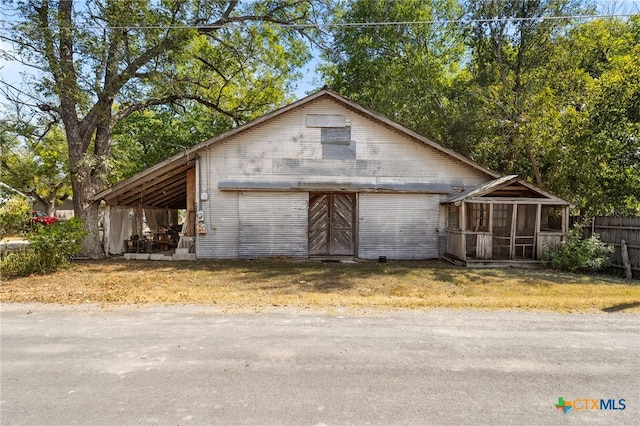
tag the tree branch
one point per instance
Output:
(211, 66)
(124, 113)
(269, 16)
(12, 172)
(214, 106)
(49, 49)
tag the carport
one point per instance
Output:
(157, 194)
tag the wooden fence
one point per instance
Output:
(613, 230)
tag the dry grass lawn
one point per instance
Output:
(258, 284)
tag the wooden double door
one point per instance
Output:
(332, 219)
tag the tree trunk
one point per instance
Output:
(51, 205)
(85, 184)
(91, 245)
(84, 208)
(87, 179)
(534, 166)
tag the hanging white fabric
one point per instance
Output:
(121, 229)
(156, 218)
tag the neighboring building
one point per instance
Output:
(322, 178)
(64, 211)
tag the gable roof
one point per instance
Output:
(506, 182)
(172, 171)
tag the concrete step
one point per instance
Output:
(188, 256)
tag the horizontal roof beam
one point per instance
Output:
(410, 187)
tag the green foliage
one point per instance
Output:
(19, 263)
(403, 71)
(516, 101)
(554, 101)
(50, 248)
(14, 216)
(147, 137)
(574, 126)
(577, 254)
(34, 164)
(594, 160)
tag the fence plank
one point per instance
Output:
(612, 230)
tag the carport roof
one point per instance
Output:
(165, 184)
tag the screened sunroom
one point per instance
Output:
(505, 220)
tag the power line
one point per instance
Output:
(246, 24)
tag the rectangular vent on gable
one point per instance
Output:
(326, 120)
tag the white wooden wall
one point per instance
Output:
(284, 150)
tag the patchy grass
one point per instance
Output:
(257, 284)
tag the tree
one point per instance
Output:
(615, 129)
(604, 156)
(104, 60)
(590, 151)
(14, 213)
(512, 42)
(402, 70)
(35, 164)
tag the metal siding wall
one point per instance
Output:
(398, 226)
(273, 224)
(286, 150)
(221, 221)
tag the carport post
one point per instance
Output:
(139, 225)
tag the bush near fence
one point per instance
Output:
(613, 230)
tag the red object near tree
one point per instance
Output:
(40, 217)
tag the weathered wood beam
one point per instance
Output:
(191, 202)
(178, 202)
(141, 197)
(515, 200)
(491, 218)
(537, 230)
(512, 239)
(126, 194)
(168, 194)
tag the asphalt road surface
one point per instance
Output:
(198, 365)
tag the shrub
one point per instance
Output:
(50, 248)
(14, 215)
(20, 263)
(577, 254)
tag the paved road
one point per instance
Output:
(197, 365)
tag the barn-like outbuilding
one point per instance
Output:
(327, 178)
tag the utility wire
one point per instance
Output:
(340, 24)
